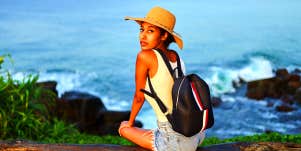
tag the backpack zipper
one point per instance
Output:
(179, 92)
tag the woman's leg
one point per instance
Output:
(139, 136)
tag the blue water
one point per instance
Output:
(87, 46)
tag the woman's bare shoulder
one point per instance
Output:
(146, 55)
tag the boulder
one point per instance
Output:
(270, 146)
(284, 108)
(89, 113)
(108, 122)
(270, 104)
(293, 84)
(297, 71)
(49, 96)
(276, 87)
(49, 85)
(260, 89)
(284, 86)
(282, 74)
(80, 107)
(294, 77)
(297, 95)
(287, 99)
(239, 83)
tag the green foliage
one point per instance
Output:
(1, 60)
(24, 108)
(19, 107)
(79, 138)
(266, 137)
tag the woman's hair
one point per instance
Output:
(169, 39)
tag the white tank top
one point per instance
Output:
(162, 82)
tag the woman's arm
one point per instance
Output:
(140, 79)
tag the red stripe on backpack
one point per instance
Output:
(196, 96)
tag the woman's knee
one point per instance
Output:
(121, 130)
(123, 126)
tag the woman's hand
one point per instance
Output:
(124, 124)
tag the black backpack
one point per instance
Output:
(192, 109)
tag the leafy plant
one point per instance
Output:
(19, 107)
(23, 113)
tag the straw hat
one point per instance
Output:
(162, 18)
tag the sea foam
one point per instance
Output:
(222, 79)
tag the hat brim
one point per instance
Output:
(176, 36)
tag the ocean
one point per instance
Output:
(87, 46)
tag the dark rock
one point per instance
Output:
(297, 95)
(271, 146)
(269, 131)
(50, 85)
(260, 89)
(48, 96)
(292, 86)
(270, 104)
(108, 122)
(282, 74)
(90, 115)
(255, 91)
(297, 71)
(288, 99)
(284, 108)
(294, 77)
(216, 101)
(239, 83)
(72, 96)
(280, 86)
(81, 108)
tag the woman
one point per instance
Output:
(156, 32)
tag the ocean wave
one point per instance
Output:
(221, 79)
(116, 104)
(67, 80)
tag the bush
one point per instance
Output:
(19, 107)
(23, 113)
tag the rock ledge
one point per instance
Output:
(238, 146)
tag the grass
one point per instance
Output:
(265, 137)
(79, 138)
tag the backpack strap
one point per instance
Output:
(166, 60)
(179, 66)
(152, 92)
(154, 95)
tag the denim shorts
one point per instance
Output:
(166, 139)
